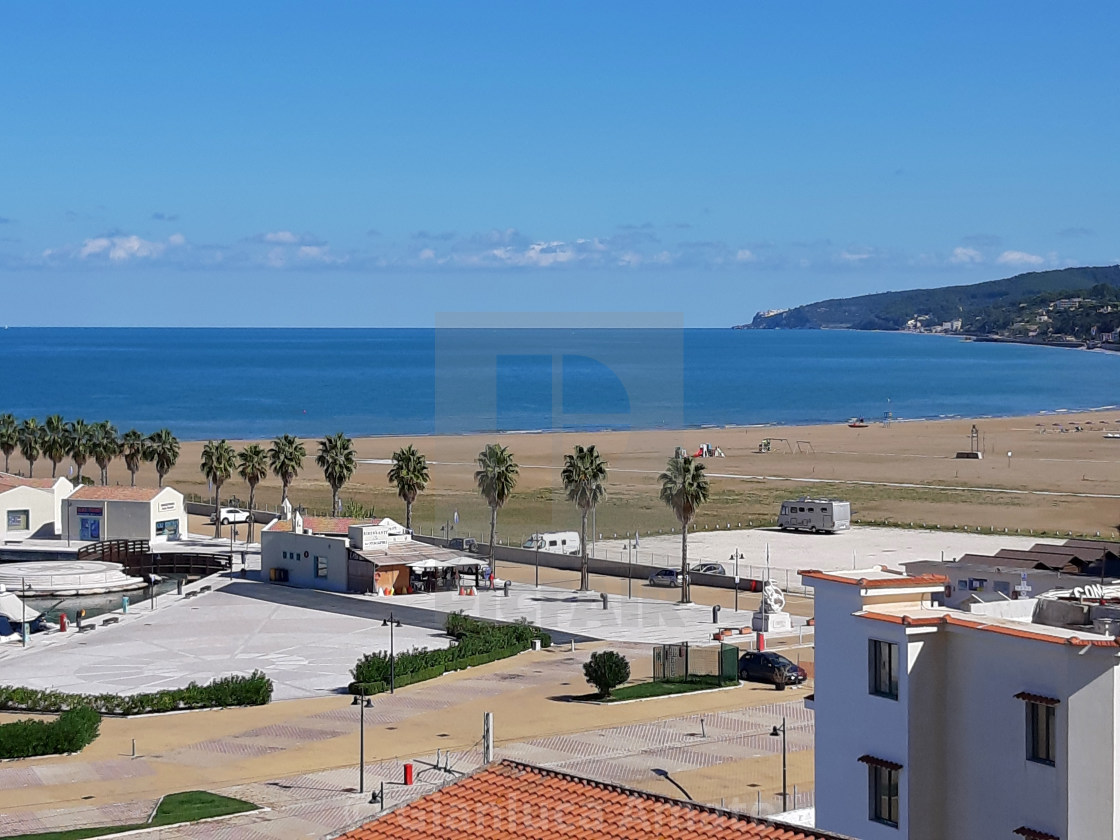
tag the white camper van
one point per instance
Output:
(815, 515)
(557, 542)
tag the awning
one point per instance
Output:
(873, 761)
(1037, 698)
(427, 564)
(13, 608)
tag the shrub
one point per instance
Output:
(606, 670)
(253, 690)
(73, 730)
(477, 642)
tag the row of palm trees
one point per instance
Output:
(684, 488)
(57, 439)
(284, 459)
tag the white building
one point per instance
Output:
(31, 507)
(936, 723)
(348, 555)
(125, 513)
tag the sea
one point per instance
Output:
(258, 383)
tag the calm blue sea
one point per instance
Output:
(248, 383)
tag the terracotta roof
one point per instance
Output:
(510, 801)
(116, 494)
(894, 581)
(323, 524)
(1037, 698)
(9, 480)
(874, 761)
(1032, 834)
(1004, 627)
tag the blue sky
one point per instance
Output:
(377, 164)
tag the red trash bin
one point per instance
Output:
(408, 773)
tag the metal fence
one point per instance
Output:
(679, 662)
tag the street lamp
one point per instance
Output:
(364, 702)
(391, 624)
(537, 564)
(774, 734)
(232, 537)
(24, 630)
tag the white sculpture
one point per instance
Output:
(773, 599)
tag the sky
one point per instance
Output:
(377, 164)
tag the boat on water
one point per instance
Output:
(857, 423)
(13, 614)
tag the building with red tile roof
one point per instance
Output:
(31, 507)
(94, 514)
(508, 800)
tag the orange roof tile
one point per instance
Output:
(116, 494)
(509, 801)
(10, 480)
(959, 620)
(323, 524)
(877, 583)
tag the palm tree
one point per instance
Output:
(9, 436)
(132, 450)
(162, 448)
(684, 487)
(56, 441)
(30, 443)
(337, 461)
(410, 473)
(81, 444)
(105, 448)
(496, 477)
(285, 459)
(583, 476)
(217, 465)
(252, 465)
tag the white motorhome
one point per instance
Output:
(557, 542)
(828, 515)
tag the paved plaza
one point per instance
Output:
(789, 551)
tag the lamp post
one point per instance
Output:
(781, 730)
(537, 564)
(391, 624)
(232, 537)
(23, 625)
(364, 702)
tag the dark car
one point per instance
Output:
(770, 667)
(709, 569)
(462, 544)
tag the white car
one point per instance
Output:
(229, 515)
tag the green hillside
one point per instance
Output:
(983, 308)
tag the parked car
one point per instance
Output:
(770, 667)
(463, 544)
(709, 569)
(229, 515)
(665, 577)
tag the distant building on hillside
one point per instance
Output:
(936, 723)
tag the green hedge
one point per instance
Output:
(477, 643)
(253, 690)
(73, 730)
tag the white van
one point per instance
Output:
(827, 515)
(556, 542)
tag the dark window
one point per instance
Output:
(19, 520)
(882, 783)
(1040, 733)
(882, 668)
(321, 567)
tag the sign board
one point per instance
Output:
(89, 511)
(369, 537)
(167, 506)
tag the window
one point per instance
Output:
(168, 528)
(882, 668)
(19, 520)
(882, 784)
(1040, 732)
(320, 567)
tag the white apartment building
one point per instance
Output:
(935, 723)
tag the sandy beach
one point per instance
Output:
(1057, 479)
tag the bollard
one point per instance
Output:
(124, 604)
(505, 588)
(62, 622)
(715, 614)
(179, 587)
(761, 642)
(408, 773)
(603, 595)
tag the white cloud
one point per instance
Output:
(281, 237)
(744, 255)
(966, 256)
(121, 248)
(1019, 258)
(855, 256)
(176, 239)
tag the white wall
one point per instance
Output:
(301, 571)
(38, 503)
